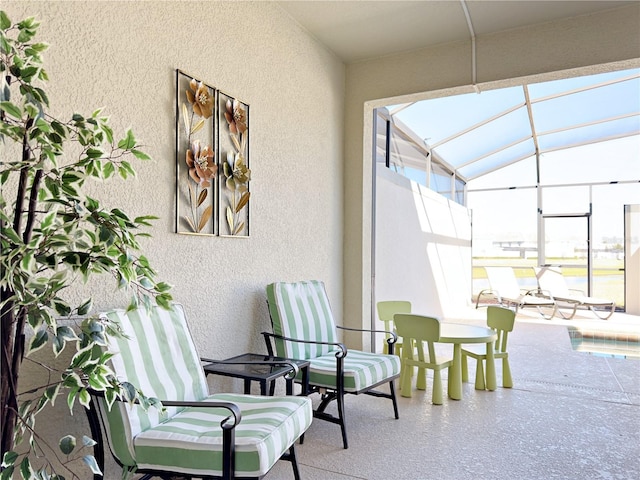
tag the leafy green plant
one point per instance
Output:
(52, 236)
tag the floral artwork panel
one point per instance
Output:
(196, 165)
(235, 174)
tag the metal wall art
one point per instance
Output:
(212, 160)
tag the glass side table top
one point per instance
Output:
(262, 373)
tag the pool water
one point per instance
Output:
(605, 344)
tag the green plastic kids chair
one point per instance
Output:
(502, 321)
(386, 311)
(418, 330)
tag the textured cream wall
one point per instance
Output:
(581, 45)
(123, 56)
(423, 247)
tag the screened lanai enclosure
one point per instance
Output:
(549, 174)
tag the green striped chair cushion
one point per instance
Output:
(159, 357)
(187, 444)
(301, 310)
(361, 370)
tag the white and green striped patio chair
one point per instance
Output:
(224, 435)
(304, 328)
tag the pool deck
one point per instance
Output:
(570, 415)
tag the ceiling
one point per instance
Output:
(477, 134)
(357, 30)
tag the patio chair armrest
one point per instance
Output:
(393, 336)
(224, 424)
(290, 375)
(546, 294)
(342, 347)
(487, 291)
(532, 291)
(391, 339)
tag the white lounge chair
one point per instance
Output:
(553, 286)
(503, 286)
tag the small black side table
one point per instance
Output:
(255, 372)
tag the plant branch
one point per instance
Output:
(33, 202)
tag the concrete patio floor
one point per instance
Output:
(570, 415)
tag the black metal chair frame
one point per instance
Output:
(97, 424)
(328, 394)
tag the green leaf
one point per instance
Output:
(67, 444)
(4, 48)
(38, 340)
(25, 468)
(43, 125)
(162, 287)
(28, 73)
(47, 221)
(91, 462)
(140, 155)
(164, 301)
(128, 392)
(94, 153)
(85, 307)
(73, 380)
(28, 262)
(7, 473)
(66, 333)
(9, 458)
(110, 397)
(51, 393)
(11, 234)
(5, 23)
(62, 308)
(11, 109)
(128, 142)
(58, 345)
(84, 398)
(24, 36)
(81, 358)
(39, 47)
(88, 441)
(71, 398)
(108, 169)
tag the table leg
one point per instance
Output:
(305, 381)
(247, 386)
(491, 368)
(455, 374)
(289, 384)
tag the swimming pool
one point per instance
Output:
(605, 344)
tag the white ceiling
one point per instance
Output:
(360, 29)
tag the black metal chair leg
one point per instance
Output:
(294, 462)
(343, 427)
(393, 399)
